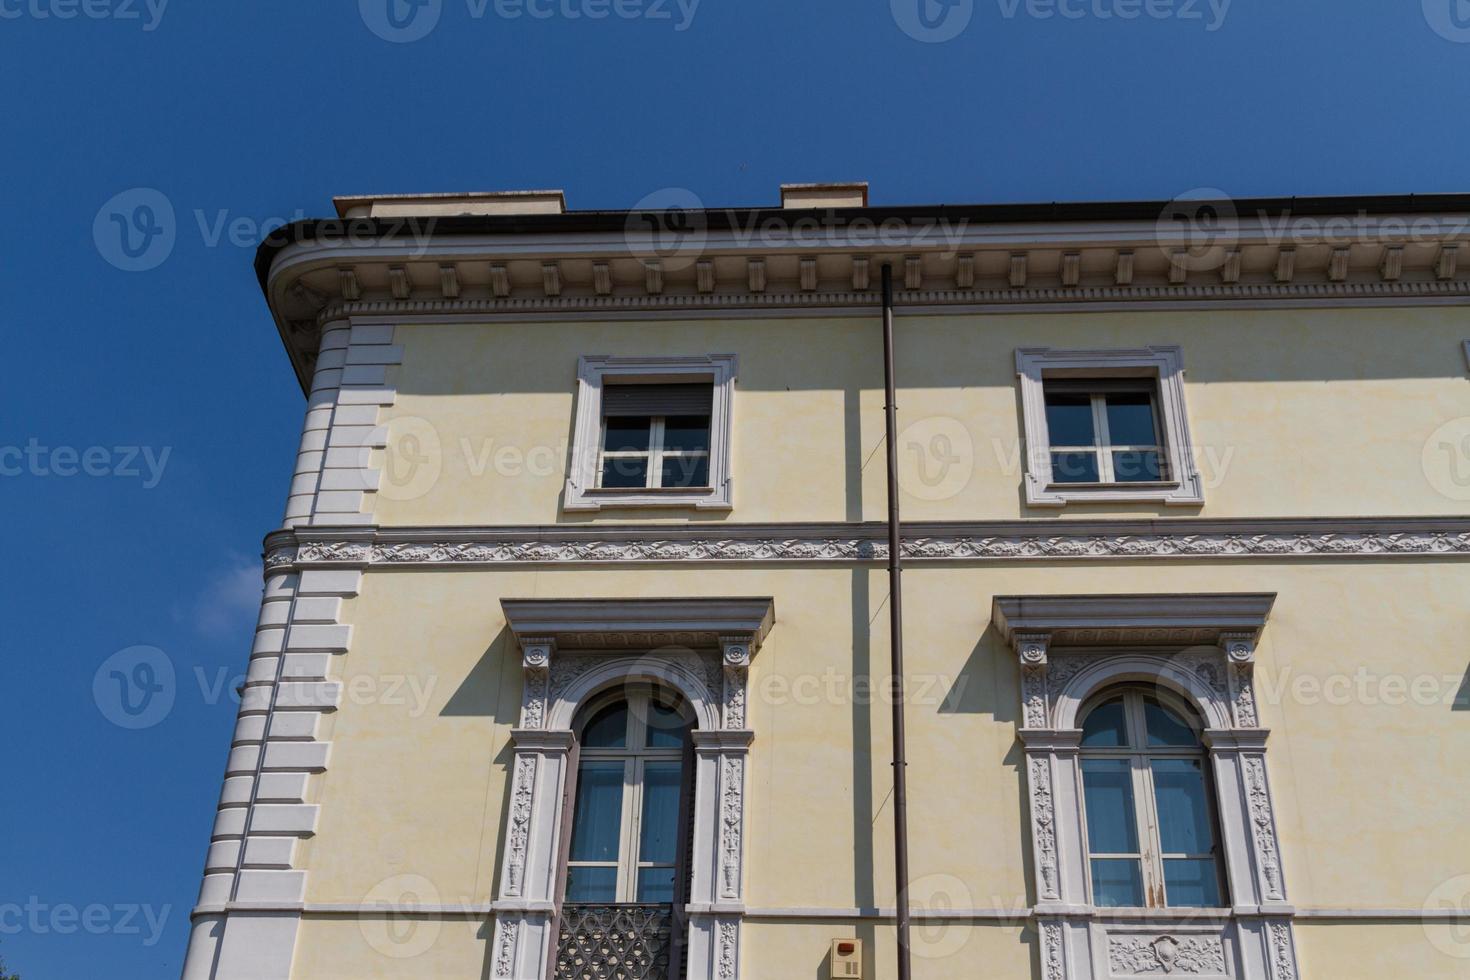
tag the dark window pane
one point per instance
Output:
(627, 434)
(1184, 816)
(598, 818)
(1106, 726)
(1166, 727)
(665, 727)
(660, 832)
(1117, 883)
(1138, 467)
(1107, 786)
(685, 471)
(1069, 419)
(592, 885)
(609, 729)
(621, 472)
(656, 885)
(689, 433)
(1190, 883)
(1131, 420)
(1074, 468)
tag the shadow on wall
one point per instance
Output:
(862, 767)
(492, 689)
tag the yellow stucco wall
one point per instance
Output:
(1368, 817)
(1293, 412)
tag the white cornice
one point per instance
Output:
(969, 542)
(939, 267)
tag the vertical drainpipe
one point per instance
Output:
(895, 620)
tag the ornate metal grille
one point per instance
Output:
(615, 942)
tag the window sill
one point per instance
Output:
(1171, 493)
(699, 498)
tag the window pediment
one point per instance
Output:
(630, 624)
(1133, 620)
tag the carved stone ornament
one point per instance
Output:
(1043, 829)
(1130, 956)
(523, 791)
(1344, 538)
(536, 656)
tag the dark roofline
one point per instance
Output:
(725, 219)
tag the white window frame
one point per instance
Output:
(1140, 757)
(583, 490)
(1164, 367)
(633, 757)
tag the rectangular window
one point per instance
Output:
(652, 432)
(1104, 432)
(655, 436)
(1106, 426)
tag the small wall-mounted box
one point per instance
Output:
(847, 959)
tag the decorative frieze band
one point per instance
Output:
(1182, 538)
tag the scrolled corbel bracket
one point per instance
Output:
(536, 654)
(735, 651)
(1240, 660)
(1032, 652)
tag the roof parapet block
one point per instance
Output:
(451, 205)
(851, 195)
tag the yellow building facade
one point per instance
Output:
(574, 642)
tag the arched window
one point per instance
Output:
(628, 822)
(1152, 840)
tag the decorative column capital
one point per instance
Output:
(1239, 647)
(1031, 648)
(735, 650)
(1240, 655)
(735, 655)
(536, 652)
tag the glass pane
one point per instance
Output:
(660, 836)
(1184, 816)
(665, 727)
(685, 471)
(627, 434)
(598, 819)
(1117, 883)
(608, 729)
(1166, 727)
(592, 884)
(689, 433)
(656, 885)
(622, 472)
(1190, 883)
(1106, 726)
(1069, 419)
(1074, 468)
(1138, 467)
(1131, 420)
(1107, 785)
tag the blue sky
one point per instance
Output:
(150, 417)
